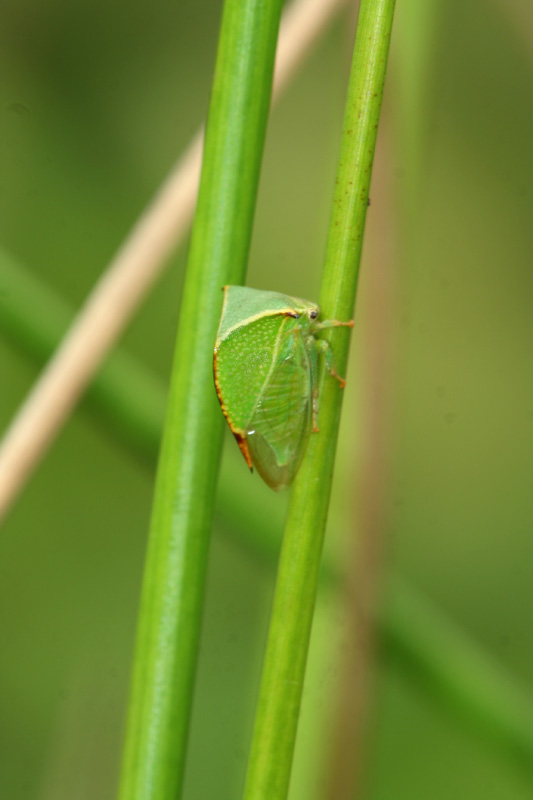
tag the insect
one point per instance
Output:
(265, 366)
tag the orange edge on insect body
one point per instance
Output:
(240, 436)
(286, 312)
(243, 445)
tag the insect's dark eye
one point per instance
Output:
(313, 314)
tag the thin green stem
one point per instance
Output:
(418, 638)
(173, 588)
(278, 708)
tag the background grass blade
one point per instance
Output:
(125, 397)
(454, 669)
(171, 605)
(284, 668)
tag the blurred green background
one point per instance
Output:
(97, 100)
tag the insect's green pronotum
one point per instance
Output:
(265, 365)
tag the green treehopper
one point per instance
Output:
(266, 376)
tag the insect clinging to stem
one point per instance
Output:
(266, 376)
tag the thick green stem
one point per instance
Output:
(288, 640)
(173, 588)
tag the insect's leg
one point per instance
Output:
(288, 342)
(313, 363)
(333, 323)
(324, 347)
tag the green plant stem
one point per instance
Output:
(278, 707)
(182, 514)
(416, 637)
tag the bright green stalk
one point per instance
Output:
(421, 640)
(182, 515)
(278, 708)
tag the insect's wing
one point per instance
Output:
(278, 430)
(243, 361)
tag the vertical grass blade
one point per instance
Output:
(277, 714)
(173, 587)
